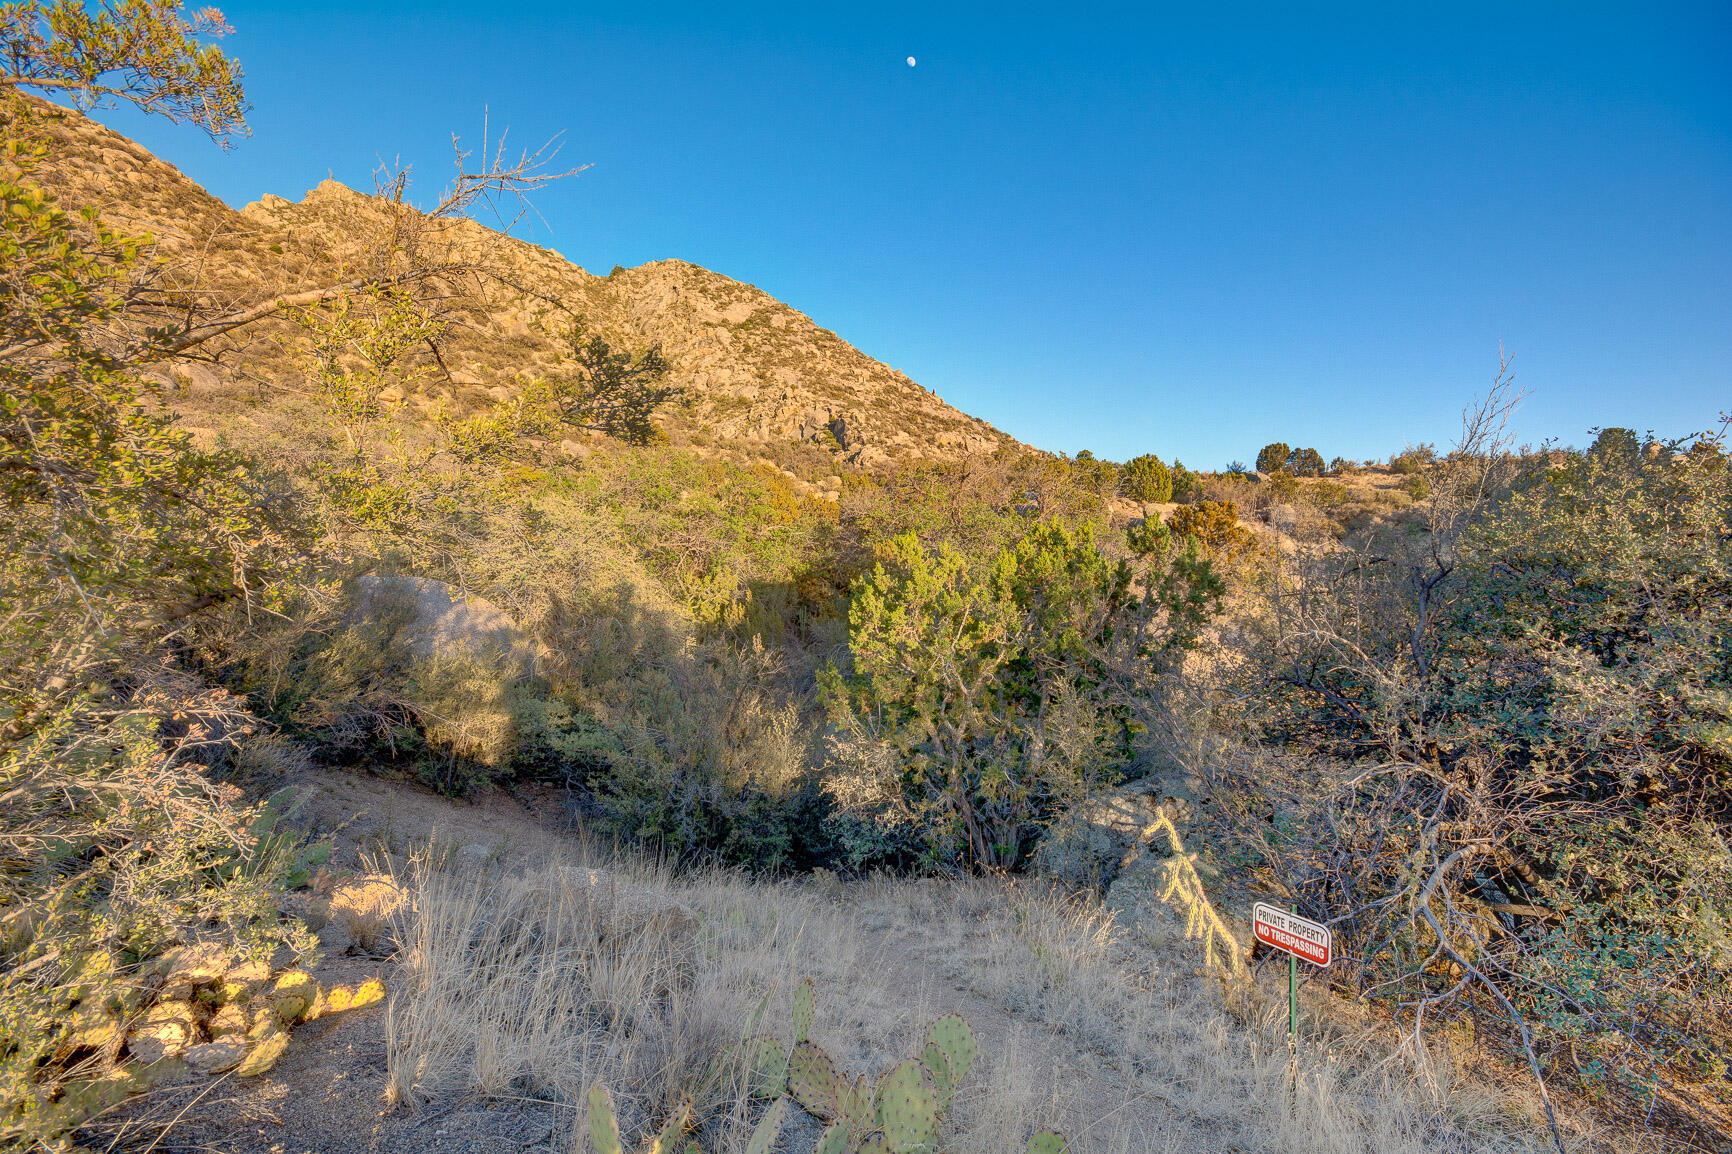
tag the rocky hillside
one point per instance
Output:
(756, 373)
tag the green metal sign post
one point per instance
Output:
(1299, 938)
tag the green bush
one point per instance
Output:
(1146, 479)
(1274, 457)
(1306, 463)
(984, 697)
(1510, 749)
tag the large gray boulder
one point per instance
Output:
(436, 621)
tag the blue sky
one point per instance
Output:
(1184, 230)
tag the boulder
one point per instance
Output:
(190, 377)
(434, 620)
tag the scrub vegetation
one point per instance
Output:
(860, 676)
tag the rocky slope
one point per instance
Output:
(756, 373)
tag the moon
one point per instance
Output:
(911, 62)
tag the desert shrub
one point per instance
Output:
(1093, 474)
(1146, 479)
(1283, 486)
(1215, 526)
(1325, 494)
(1186, 485)
(116, 535)
(1306, 463)
(983, 697)
(1273, 457)
(1413, 460)
(1524, 715)
(119, 844)
(977, 506)
(714, 762)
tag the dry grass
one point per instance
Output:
(517, 985)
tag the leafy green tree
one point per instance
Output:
(1146, 479)
(1274, 457)
(1612, 441)
(141, 52)
(1185, 483)
(606, 390)
(986, 696)
(115, 529)
(1535, 706)
(1306, 463)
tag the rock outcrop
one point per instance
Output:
(754, 371)
(431, 620)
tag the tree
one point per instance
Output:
(1306, 463)
(606, 391)
(114, 530)
(1274, 457)
(1146, 479)
(1185, 483)
(983, 697)
(1531, 705)
(143, 52)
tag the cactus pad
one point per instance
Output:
(835, 1140)
(814, 1082)
(603, 1127)
(767, 1065)
(769, 1126)
(1048, 1142)
(676, 1126)
(938, 1066)
(909, 1108)
(805, 1002)
(952, 1035)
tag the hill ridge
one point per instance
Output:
(756, 372)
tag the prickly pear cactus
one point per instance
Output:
(805, 1003)
(603, 1126)
(908, 1106)
(1048, 1142)
(669, 1138)
(938, 1066)
(767, 1063)
(955, 1038)
(764, 1137)
(814, 1082)
(835, 1140)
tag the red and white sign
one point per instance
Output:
(1299, 936)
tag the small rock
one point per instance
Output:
(215, 1057)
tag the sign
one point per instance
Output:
(1299, 936)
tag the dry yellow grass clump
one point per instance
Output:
(542, 982)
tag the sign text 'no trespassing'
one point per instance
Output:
(1298, 936)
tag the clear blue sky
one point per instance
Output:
(1186, 230)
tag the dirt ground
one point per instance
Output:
(917, 949)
